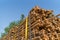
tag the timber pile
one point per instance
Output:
(44, 26)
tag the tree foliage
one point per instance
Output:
(22, 18)
(6, 29)
(3, 34)
(12, 24)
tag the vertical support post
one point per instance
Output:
(26, 29)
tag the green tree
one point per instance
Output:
(3, 34)
(6, 30)
(22, 16)
(13, 24)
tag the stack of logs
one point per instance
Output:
(44, 26)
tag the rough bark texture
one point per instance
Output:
(44, 26)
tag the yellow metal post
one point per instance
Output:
(26, 29)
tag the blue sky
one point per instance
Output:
(10, 10)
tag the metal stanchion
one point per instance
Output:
(26, 29)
